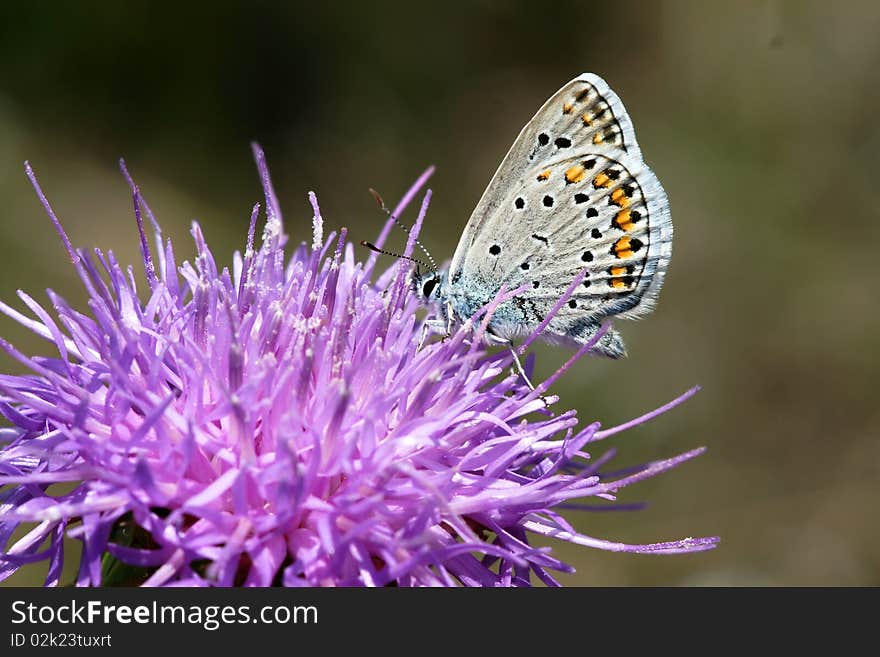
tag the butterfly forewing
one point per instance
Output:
(573, 193)
(584, 114)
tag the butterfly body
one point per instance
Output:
(512, 319)
(572, 195)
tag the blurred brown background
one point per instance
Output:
(760, 118)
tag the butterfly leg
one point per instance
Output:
(519, 368)
(423, 337)
(494, 339)
(430, 326)
(433, 325)
(449, 316)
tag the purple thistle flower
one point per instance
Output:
(278, 424)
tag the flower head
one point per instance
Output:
(280, 423)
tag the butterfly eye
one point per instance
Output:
(429, 286)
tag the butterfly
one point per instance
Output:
(572, 194)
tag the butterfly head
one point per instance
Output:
(428, 287)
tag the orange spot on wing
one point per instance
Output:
(623, 220)
(575, 174)
(618, 197)
(622, 248)
(598, 138)
(586, 119)
(617, 283)
(601, 180)
(544, 175)
(617, 271)
(566, 109)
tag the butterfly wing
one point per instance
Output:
(586, 112)
(572, 193)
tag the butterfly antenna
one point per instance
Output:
(400, 225)
(373, 247)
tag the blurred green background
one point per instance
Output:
(759, 117)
